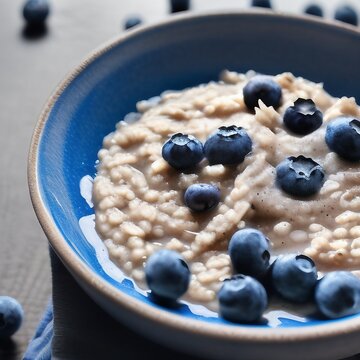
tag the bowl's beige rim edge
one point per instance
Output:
(166, 319)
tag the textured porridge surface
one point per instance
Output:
(138, 197)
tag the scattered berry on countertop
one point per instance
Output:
(300, 176)
(264, 88)
(294, 277)
(242, 299)
(347, 14)
(179, 5)
(314, 9)
(343, 137)
(249, 252)
(337, 294)
(167, 274)
(11, 316)
(35, 12)
(228, 146)
(183, 151)
(132, 21)
(261, 3)
(202, 197)
(303, 117)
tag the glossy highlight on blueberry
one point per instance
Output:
(338, 294)
(228, 146)
(202, 197)
(242, 299)
(249, 252)
(294, 277)
(183, 151)
(343, 137)
(11, 316)
(303, 117)
(264, 88)
(167, 274)
(300, 176)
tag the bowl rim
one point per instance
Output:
(126, 302)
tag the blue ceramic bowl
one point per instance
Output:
(177, 53)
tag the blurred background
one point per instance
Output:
(33, 59)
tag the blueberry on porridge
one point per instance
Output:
(294, 277)
(303, 117)
(202, 197)
(242, 299)
(214, 178)
(300, 176)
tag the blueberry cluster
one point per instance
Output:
(297, 176)
(228, 146)
(243, 298)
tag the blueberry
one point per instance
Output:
(132, 21)
(228, 146)
(346, 14)
(11, 316)
(179, 5)
(249, 252)
(167, 274)
(338, 294)
(242, 299)
(314, 10)
(202, 197)
(343, 137)
(300, 176)
(294, 277)
(183, 151)
(264, 88)
(303, 118)
(261, 3)
(35, 12)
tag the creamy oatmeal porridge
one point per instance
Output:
(139, 202)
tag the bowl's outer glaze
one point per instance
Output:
(182, 52)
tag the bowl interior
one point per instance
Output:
(172, 55)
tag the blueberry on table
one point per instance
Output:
(346, 14)
(249, 252)
(294, 277)
(35, 12)
(343, 137)
(242, 299)
(202, 197)
(314, 10)
(11, 316)
(338, 294)
(264, 88)
(261, 3)
(179, 5)
(303, 117)
(183, 151)
(300, 176)
(167, 274)
(228, 146)
(132, 21)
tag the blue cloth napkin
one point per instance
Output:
(40, 345)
